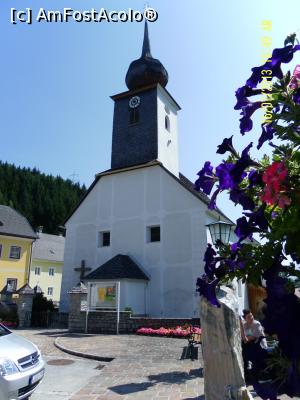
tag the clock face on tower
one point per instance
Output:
(134, 102)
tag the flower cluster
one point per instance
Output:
(179, 332)
(279, 56)
(295, 80)
(275, 177)
(268, 191)
(227, 176)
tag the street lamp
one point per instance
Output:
(220, 232)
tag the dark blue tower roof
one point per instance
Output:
(146, 70)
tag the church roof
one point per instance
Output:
(182, 180)
(118, 267)
(12, 223)
(146, 70)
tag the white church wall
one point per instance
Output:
(136, 296)
(127, 203)
(68, 276)
(86, 212)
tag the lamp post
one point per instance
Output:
(220, 232)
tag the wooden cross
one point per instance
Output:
(82, 269)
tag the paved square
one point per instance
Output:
(143, 368)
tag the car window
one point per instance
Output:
(4, 331)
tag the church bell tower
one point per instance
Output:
(145, 116)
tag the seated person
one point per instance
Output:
(254, 344)
(252, 330)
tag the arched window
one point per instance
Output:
(167, 123)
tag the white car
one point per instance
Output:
(21, 366)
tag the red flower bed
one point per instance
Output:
(9, 324)
(179, 331)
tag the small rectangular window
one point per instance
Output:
(12, 284)
(50, 291)
(104, 239)
(15, 252)
(153, 234)
(37, 271)
(51, 271)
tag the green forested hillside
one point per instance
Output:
(44, 200)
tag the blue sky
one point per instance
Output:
(57, 79)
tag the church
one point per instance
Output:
(141, 223)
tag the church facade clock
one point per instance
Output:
(145, 116)
(134, 102)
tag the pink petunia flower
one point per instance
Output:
(295, 80)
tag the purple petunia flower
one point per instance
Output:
(256, 76)
(243, 229)
(246, 122)
(225, 146)
(267, 134)
(208, 289)
(258, 218)
(241, 97)
(212, 204)
(209, 254)
(296, 96)
(235, 247)
(274, 214)
(238, 171)
(210, 261)
(206, 179)
(255, 178)
(234, 265)
(223, 172)
(238, 196)
(281, 55)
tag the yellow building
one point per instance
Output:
(16, 239)
(47, 264)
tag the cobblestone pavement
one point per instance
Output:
(143, 368)
(44, 339)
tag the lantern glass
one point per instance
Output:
(220, 232)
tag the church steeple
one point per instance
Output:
(146, 52)
(146, 70)
(145, 116)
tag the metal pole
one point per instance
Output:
(118, 306)
(88, 306)
(86, 320)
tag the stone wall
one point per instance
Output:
(106, 322)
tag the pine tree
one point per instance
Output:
(44, 200)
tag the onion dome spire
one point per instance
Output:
(146, 70)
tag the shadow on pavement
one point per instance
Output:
(175, 377)
(128, 388)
